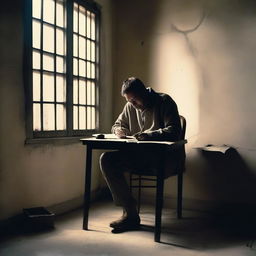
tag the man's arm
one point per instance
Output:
(121, 125)
(171, 124)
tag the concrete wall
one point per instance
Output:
(202, 54)
(40, 174)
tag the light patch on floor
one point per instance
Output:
(197, 234)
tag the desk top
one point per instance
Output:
(118, 143)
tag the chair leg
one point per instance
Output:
(179, 196)
(159, 206)
(131, 182)
(139, 194)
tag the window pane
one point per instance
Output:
(36, 117)
(36, 86)
(60, 89)
(82, 92)
(75, 91)
(60, 64)
(81, 68)
(92, 51)
(92, 70)
(90, 117)
(61, 117)
(81, 47)
(88, 25)
(75, 45)
(48, 62)
(36, 5)
(82, 124)
(75, 117)
(75, 17)
(36, 34)
(48, 10)
(48, 117)
(93, 27)
(36, 60)
(60, 17)
(48, 40)
(88, 50)
(48, 87)
(90, 93)
(75, 67)
(60, 42)
(82, 20)
(88, 69)
(93, 92)
(93, 125)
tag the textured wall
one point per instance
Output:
(202, 54)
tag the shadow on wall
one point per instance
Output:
(236, 181)
(186, 32)
(175, 68)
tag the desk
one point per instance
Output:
(117, 144)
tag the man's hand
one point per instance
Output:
(120, 133)
(142, 136)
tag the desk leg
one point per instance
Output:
(159, 205)
(87, 190)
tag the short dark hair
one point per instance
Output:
(133, 84)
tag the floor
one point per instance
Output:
(197, 234)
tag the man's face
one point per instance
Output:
(136, 100)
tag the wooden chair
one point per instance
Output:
(142, 176)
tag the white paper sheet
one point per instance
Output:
(223, 149)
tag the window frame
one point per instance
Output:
(93, 7)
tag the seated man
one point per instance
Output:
(147, 115)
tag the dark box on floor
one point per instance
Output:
(38, 218)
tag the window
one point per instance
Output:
(62, 68)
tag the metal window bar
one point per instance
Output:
(69, 67)
(77, 33)
(55, 66)
(95, 68)
(41, 65)
(90, 49)
(48, 23)
(85, 71)
(27, 68)
(86, 75)
(97, 64)
(82, 77)
(46, 52)
(48, 72)
(86, 124)
(78, 70)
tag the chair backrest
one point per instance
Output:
(183, 127)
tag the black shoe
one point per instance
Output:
(126, 223)
(125, 228)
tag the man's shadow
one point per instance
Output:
(231, 223)
(235, 179)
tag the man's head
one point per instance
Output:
(135, 92)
